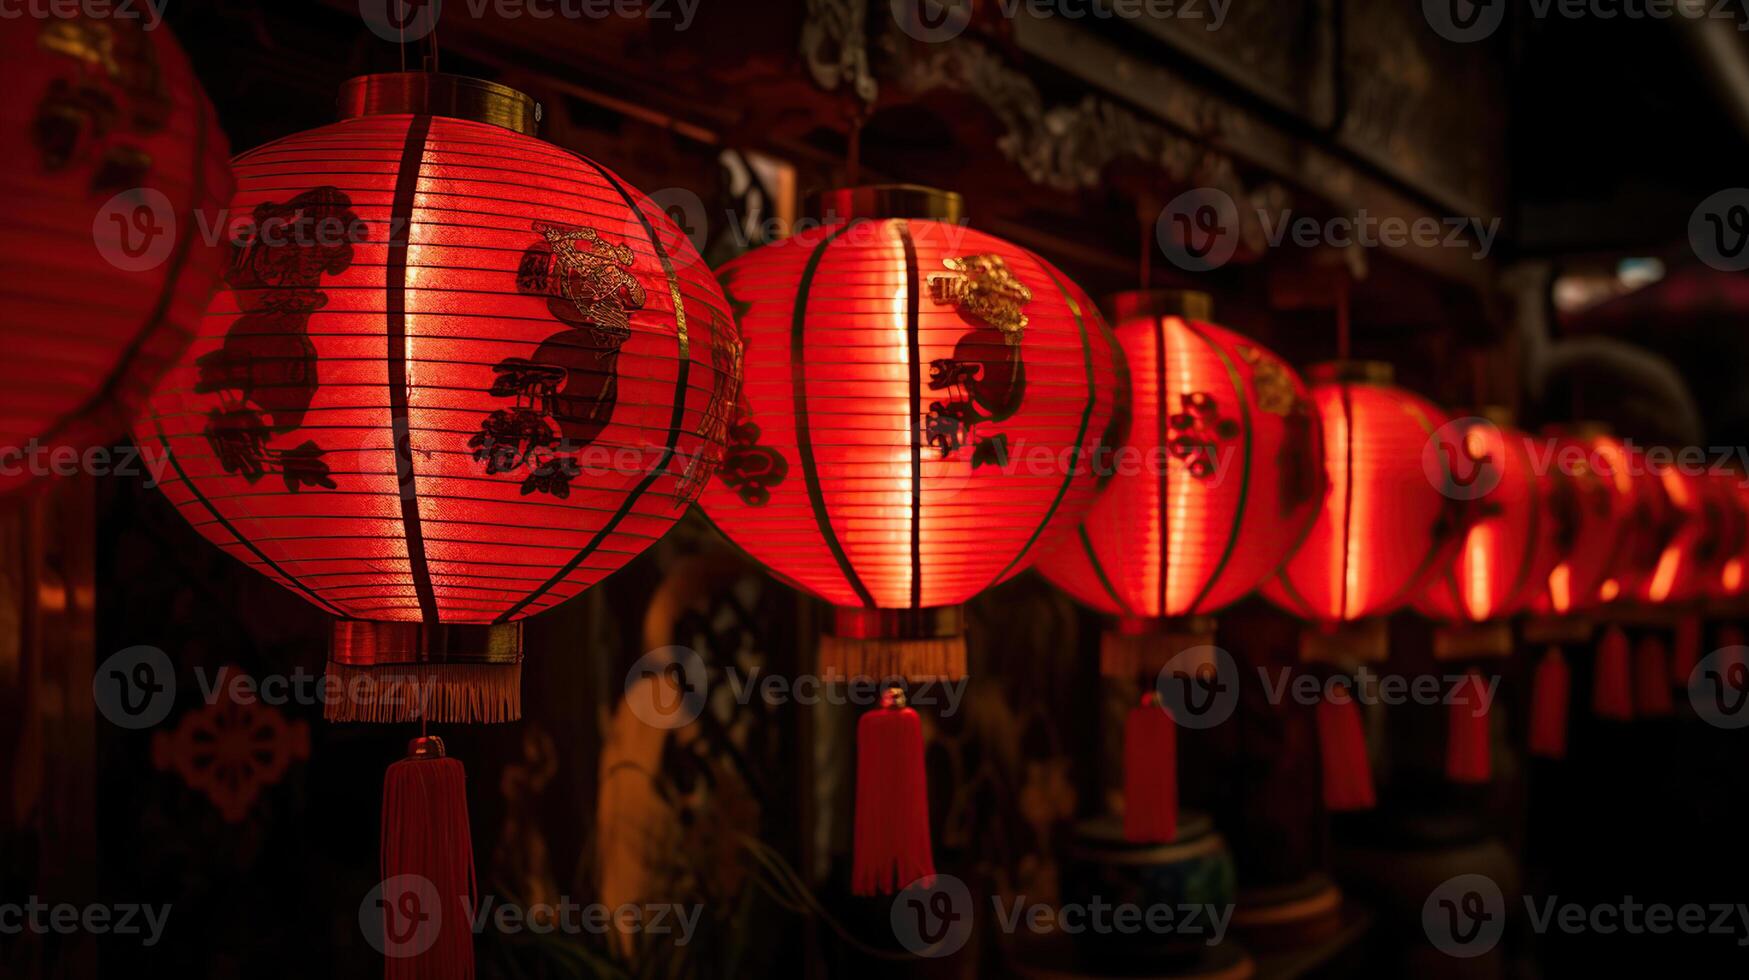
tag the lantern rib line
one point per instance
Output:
(1418, 578)
(1238, 521)
(1347, 495)
(1099, 570)
(400, 240)
(913, 354)
(230, 529)
(1080, 434)
(799, 392)
(1161, 411)
(683, 365)
(1517, 599)
(166, 295)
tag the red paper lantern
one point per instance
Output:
(1218, 477)
(1593, 505)
(921, 408)
(458, 376)
(1513, 540)
(1728, 495)
(114, 160)
(1647, 566)
(1394, 509)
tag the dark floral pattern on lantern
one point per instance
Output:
(266, 372)
(985, 377)
(726, 354)
(566, 393)
(231, 750)
(1198, 432)
(114, 89)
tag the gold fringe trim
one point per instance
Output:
(1472, 641)
(446, 693)
(1345, 645)
(938, 659)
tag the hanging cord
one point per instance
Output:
(1344, 339)
(853, 148)
(1145, 204)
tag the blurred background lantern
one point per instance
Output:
(1217, 476)
(458, 375)
(1501, 564)
(921, 408)
(116, 165)
(1391, 518)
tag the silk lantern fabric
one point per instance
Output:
(114, 162)
(1388, 521)
(1219, 477)
(921, 409)
(458, 375)
(1502, 563)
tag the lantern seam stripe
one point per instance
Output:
(1081, 433)
(1347, 493)
(1161, 411)
(1099, 570)
(166, 295)
(175, 464)
(1238, 520)
(395, 281)
(913, 353)
(799, 393)
(683, 369)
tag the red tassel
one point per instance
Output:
(1611, 692)
(428, 868)
(1342, 746)
(1651, 678)
(892, 846)
(1150, 773)
(1467, 753)
(1685, 650)
(1548, 706)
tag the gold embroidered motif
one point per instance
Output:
(1275, 388)
(594, 275)
(984, 288)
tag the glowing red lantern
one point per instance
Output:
(1728, 555)
(1512, 542)
(1388, 520)
(459, 375)
(114, 160)
(1217, 476)
(921, 404)
(1395, 508)
(1593, 502)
